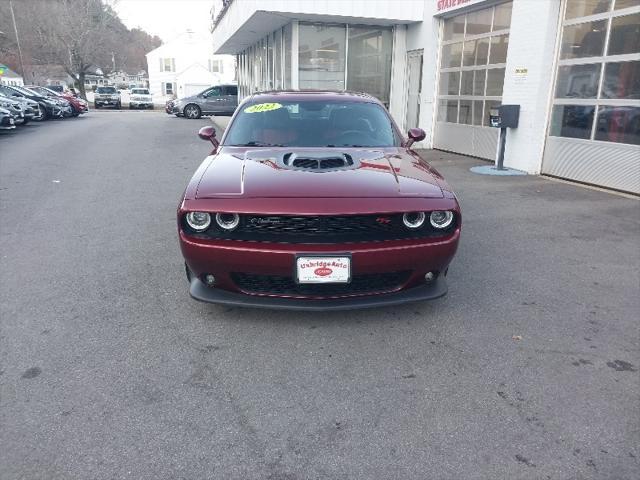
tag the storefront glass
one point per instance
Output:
(472, 65)
(597, 92)
(369, 61)
(321, 56)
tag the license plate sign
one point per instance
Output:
(323, 269)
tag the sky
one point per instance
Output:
(166, 18)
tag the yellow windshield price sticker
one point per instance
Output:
(262, 107)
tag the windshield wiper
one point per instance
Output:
(257, 144)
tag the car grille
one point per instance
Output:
(321, 229)
(283, 285)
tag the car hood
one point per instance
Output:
(375, 173)
(10, 101)
(192, 98)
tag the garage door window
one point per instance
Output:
(472, 64)
(597, 92)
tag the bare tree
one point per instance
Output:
(76, 34)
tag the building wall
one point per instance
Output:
(530, 90)
(11, 81)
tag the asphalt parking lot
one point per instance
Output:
(528, 369)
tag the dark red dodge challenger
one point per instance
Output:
(315, 201)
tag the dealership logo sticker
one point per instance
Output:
(323, 271)
(262, 107)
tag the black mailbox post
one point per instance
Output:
(503, 117)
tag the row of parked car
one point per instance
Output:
(110, 97)
(21, 105)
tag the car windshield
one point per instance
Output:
(311, 123)
(106, 90)
(40, 90)
(140, 91)
(21, 90)
(6, 91)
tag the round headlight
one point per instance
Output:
(413, 220)
(199, 221)
(441, 219)
(227, 221)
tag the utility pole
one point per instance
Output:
(15, 29)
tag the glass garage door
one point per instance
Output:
(473, 58)
(594, 133)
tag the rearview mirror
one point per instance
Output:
(209, 133)
(415, 135)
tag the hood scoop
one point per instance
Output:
(317, 161)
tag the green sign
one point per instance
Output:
(2, 69)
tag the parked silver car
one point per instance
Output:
(14, 107)
(6, 120)
(218, 100)
(140, 98)
(30, 108)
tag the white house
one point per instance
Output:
(123, 78)
(186, 65)
(9, 77)
(572, 66)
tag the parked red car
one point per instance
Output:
(78, 105)
(315, 201)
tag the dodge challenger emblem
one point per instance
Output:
(383, 220)
(323, 271)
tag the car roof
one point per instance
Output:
(303, 95)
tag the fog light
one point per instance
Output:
(429, 276)
(210, 279)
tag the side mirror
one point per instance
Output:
(209, 133)
(415, 135)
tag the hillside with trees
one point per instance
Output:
(79, 36)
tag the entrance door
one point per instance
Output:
(414, 85)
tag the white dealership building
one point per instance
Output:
(573, 67)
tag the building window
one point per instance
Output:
(168, 88)
(369, 55)
(472, 65)
(597, 90)
(167, 64)
(321, 56)
(215, 66)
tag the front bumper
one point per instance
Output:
(106, 102)
(80, 108)
(141, 103)
(7, 123)
(225, 259)
(436, 289)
